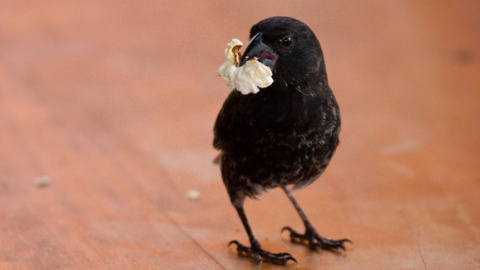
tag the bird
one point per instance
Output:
(285, 135)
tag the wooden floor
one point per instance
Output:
(106, 116)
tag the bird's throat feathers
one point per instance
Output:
(310, 84)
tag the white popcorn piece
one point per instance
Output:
(247, 78)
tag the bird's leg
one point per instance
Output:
(311, 237)
(255, 248)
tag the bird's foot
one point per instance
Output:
(311, 239)
(262, 255)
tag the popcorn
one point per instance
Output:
(247, 78)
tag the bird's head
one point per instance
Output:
(289, 48)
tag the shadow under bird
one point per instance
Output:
(284, 135)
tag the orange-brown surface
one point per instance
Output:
(115, 102)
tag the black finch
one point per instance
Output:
(284, 135)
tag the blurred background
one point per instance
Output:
(106, 127)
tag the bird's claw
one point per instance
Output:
(261, 255)
(315, 242)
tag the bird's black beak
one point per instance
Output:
(256, 49)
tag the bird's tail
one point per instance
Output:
(218, 159)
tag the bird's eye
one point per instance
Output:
(286, 41)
